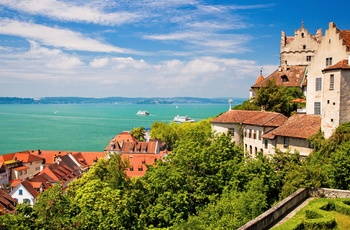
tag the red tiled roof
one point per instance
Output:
(138, 162)
(6, 157)
(293, 74)
(345, 34)
(260, 79)
(36, 184)
(79, 157)
(343, 64)
(250, 117)
(15, 183)
(49, 155)
(7, 203)
(30, 188)
(120, 140)
(20, 168)
(92, 157)
(42, 179)
(27, 157)
(297, 126)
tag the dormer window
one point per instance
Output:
(284, 78)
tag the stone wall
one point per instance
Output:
(276, 213)
(279, 211)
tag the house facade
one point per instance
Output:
(4, 174)
(328, 80)
(293, 135)
(24, 193)
(247, 127)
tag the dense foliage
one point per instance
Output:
(206, 183)
(274, 98)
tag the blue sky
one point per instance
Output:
(147, 48)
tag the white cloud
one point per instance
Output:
(99, 62)
(56, 37)
(92, 12)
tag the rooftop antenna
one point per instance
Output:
(261, 71)
(230, 102)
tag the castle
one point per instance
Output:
(319, 65)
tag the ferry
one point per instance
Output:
(182, 119)
(142, 113)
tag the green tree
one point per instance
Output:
(53, 209)
(111, 171)
(165, 132)
(138, 133)
(278, 98)
(194, 174)
(247, 105)
(23, 219)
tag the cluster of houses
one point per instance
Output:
(24, 175)
(317, 64)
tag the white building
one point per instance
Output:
(24, 192)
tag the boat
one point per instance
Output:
(142, 113)
(182, 119)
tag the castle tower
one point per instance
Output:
(298, 49)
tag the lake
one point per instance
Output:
(84, 127)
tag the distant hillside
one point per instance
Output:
(119, 100)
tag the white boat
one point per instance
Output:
(142, 113)
(182, 119)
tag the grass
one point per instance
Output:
(321, 213)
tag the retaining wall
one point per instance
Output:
(276, 213)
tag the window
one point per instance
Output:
(284, 78)
(25, 171)
(317, 108)
(304, 46)
(20, 192)
(331, 82)
(250, 133)
(254, 134)
(318, 84)
(231, 132)
(131, 169)
(302, 35)
(259, 134)
(286, 142)
(308, 58)
(37, 168)
(245, 132)
(140, 168)
(328, 61)
(266, 143)
(311, 146)
(20, 173)
(26, 201)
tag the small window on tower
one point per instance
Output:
(304, 46)
(284, 78)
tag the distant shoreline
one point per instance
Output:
(120, 100)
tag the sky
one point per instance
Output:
(149, 48)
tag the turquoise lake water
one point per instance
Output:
(81, 127)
